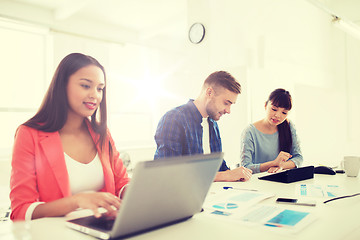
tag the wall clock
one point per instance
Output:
(196, 33)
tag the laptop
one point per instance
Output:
(161, 192)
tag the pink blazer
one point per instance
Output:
(39, 172)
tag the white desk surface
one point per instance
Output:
(336, 220)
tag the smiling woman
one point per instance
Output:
(64, 157)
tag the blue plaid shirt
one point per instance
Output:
(179, 132)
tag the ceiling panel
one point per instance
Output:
(137, 21)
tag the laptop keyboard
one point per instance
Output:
(102, 223)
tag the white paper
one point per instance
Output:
(269, 217)
(244, 207)
(230, 201)
(322, 191)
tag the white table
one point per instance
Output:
(337, 220)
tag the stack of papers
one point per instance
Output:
(244, 207)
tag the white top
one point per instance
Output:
(85, 177)
(206, 138)
(82, 177)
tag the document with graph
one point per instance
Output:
(277, 218)
(231, 201)
(316, 190)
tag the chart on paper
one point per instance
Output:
(313, 190)
(225, 206)
(230, 201)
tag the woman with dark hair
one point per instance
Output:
(64, 157)
(271, 144)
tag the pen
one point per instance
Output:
(240, 189)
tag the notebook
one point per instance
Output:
(161, 192)
(291, 175)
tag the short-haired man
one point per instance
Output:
(180, 131)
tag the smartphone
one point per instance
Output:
(294, 201)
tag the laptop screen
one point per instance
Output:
(161, 192)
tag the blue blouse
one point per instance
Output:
(258, 147)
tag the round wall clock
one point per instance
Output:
(196, 33)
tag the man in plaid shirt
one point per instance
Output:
(180, 131)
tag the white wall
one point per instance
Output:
(23, 77)
(270, 44)
(352, 104)
(289, 44)
(264, 44)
